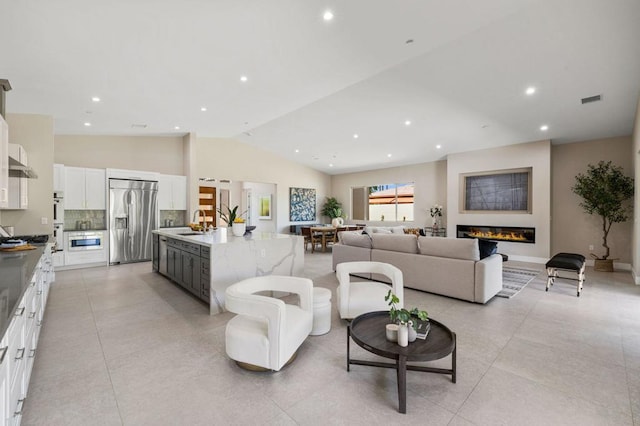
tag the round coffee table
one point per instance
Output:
(368, 331)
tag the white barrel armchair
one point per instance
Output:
(267, 332)
(359, 297)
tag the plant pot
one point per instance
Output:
(238, 229)
(391, 331)
(337, 221)
(603, 265)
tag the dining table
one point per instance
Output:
(327, 233)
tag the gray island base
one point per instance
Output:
(206, 264)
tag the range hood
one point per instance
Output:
(17, 169)
(18, 162)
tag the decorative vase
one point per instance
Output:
(239, 229)
(337, 221)
(435, 223)
(392, 332)
(403, 335)
(413, 335)
(603, 265)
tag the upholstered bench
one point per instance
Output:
(566, 262)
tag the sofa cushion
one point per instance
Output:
(355, 239)
(487, 248)
(400, 243)
(453, 248)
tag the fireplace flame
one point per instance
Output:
(504, 236)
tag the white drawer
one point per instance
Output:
(83, 257)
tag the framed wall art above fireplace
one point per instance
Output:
(497, 191)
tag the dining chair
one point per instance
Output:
(305, 231)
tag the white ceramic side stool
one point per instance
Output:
(321, 311)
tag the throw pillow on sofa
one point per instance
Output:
(414, 231)
(487, 248)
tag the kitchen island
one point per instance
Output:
(206, 264)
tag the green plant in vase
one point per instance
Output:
(402, 315)
(231, 215)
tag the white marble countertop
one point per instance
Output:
(219, 236)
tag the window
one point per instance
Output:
(504, 190)
(392, 202)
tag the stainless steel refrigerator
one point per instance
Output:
(132, 216)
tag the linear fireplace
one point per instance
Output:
(514, 234)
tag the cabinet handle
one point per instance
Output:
(19, 407)
(33, 353)
(39, 292)
(21, 352)
(3, 195)
(21, 310)
(4, 352)
(32, 315)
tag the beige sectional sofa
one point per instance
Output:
(447, 266)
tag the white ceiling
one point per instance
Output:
(313, 84)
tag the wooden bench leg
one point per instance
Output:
(551, 274)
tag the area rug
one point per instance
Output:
(514, 280)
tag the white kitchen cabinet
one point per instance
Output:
(18, 346)
(58, 178)
(172, 192)
(4, 164)
(18, 186)
(85, 189)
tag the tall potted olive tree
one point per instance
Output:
(604, 190)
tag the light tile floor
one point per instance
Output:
(122, 345)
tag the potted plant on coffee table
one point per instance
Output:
(405, 318)
(604, 190)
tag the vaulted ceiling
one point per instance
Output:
(413, 79)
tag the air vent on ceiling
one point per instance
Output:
(590, 99)
(139, 126)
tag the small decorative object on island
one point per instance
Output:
(333, 208)
(234, 220)
(403, 318)
(604, 189)
(239, 227)
(436, 216)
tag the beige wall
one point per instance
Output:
(573, 230)
(635, 152)
(231, 159)
(430, 188)
(35, 134)
(145, 153)
(536, 155)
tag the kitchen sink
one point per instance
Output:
(186, 234)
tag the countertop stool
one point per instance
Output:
(321, 311)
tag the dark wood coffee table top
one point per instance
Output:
(368, 331)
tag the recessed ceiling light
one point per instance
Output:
(328, 15)
(87, 124)
(530, 90)
(330, 164)
(203, 109)
(407, 123)
(297, 151)
(356, 136)
(177, 127)
(95, 99)
(243, 78)
(438, 146)
(389, 155)
(544, 127)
